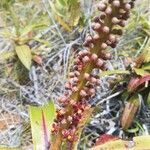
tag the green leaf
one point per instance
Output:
(32, 27)
(7, 148)
(140, 72)
(133, 130)
(111, 72)
(24, 54)
(41, 119)
(61, 2)
(146, 66)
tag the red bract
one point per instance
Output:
(134, 83)
(105, 138)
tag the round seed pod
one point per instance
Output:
(116, 3)
(96, 37)
(112, 38)
(85, 59)
(94, 57)
(93, 80)
(88, 39)
(83, 93)
(103, 45)
(71, 74)
(67, 86)
(105, 55)
(102, 16)
(77, 61)
(98, 82)
(105, 29)
(96, 19)
(101, 7)
(74, 89)
(75, 79)
(62, 99)
(122, 23)
(77, 73)
(85, 52)
(127, 7)
(99, 62)
(63, 121)
(108, 11)
(115, 20)
(96, 26)
(69, 118)
(86, 76)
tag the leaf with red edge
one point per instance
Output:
(41, 119)
(134, 83)
(105, 138)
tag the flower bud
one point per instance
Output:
(104, 46)
(127, 6)
(74, 89)
(83, 93)
(99, 62)
(116, 3)
(108, 11)
(102, 7)
(85, 59)
(86, 76)
(105, 29)
(115, 20)
(94, 57)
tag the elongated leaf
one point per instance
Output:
(24, 54)
(7, 148)
(134, 83)
(139, 143)
(129, 112)
(41, 120)
(140, 72)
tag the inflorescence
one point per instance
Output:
(82, 83)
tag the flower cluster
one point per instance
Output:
(82, 82)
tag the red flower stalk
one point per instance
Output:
(82, 83)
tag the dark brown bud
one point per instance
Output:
(96, 19)
(117, 31)
(102, 16)
(122, 23)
